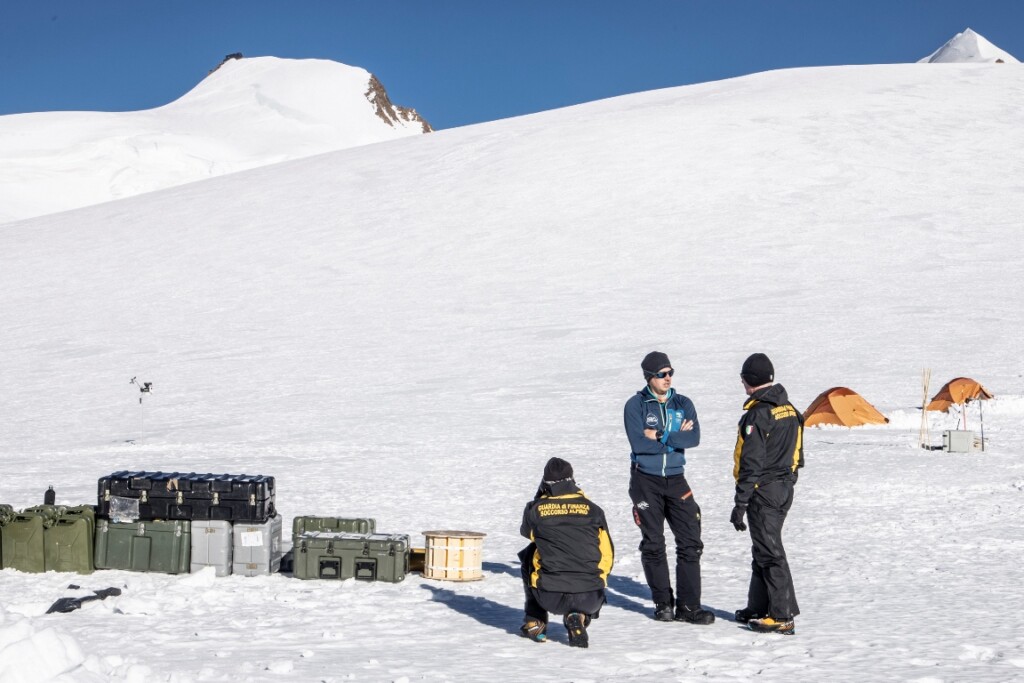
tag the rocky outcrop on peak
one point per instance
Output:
(389, 112)
(227, 58)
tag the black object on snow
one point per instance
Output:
(65, 605)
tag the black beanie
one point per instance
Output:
(654, 361)
(557, 470)
(757, 370)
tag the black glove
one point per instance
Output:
(737, 517)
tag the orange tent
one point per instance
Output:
(958, 391)
(842, 406)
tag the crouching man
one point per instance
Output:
(565, 567)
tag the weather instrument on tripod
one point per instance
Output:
(144, 388)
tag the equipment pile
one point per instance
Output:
(175, 523)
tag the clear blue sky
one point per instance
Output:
(463, 61)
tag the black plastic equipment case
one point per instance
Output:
(191, 496)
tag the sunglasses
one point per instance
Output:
(663, 375)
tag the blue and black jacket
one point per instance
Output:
(665, 457)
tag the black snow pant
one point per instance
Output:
(655, 500)
(540, 602)
(771, 590)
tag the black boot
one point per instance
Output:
(576, 625)
(784, 627)
(663, 612)
(534, 629)
(744, 615)
(694, 615)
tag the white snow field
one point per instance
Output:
(247, 113)
(409, 330)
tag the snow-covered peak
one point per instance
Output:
(969, 47)
(246, 113)
(304, 90)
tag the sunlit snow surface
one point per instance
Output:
(409, 330)
(248, 113)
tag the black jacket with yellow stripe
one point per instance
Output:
(574, 549)
(770, 443)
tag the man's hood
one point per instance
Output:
(553, 489)
(774, 395)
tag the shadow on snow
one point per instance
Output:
(487, 612)
(623, 593)
(620, 588)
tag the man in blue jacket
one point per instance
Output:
(661, 424)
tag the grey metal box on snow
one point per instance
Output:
(959, 441)
(257, 547)
(212, 545)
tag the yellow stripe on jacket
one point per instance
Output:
(604, 542)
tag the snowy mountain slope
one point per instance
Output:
(247, 113)
(969, 46)
(414, 346)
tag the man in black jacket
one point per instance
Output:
(769, 450)
(565, 567)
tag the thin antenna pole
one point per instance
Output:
(981, 417)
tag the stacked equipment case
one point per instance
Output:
(364, 557)
(211, 546)
(256, 548)
(336, 548)
(351, 525)
(174, 523)
(144, 546)
(191, 496)
(180, 522)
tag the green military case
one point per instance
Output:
(69, 543)
(352, 525)
(23, 543)
(147, 546)
(339, 556)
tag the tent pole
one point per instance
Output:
(924, 439)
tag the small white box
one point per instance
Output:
(959, 441)
(257, 547)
